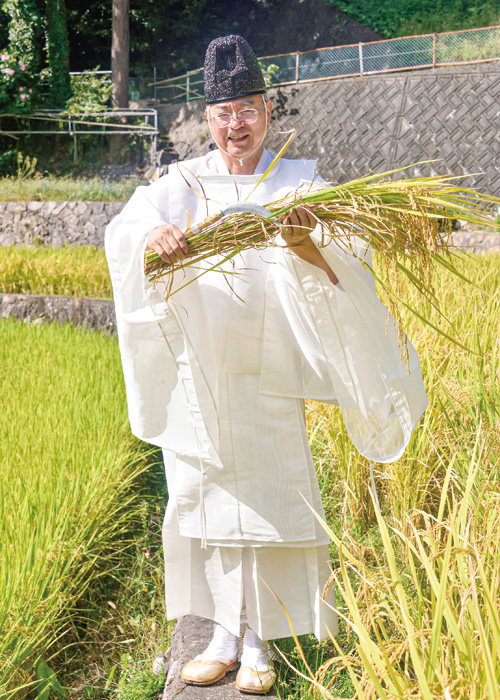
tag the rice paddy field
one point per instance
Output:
(70, 271)
(72, 501)
(417, 583)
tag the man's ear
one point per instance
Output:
(269, 108)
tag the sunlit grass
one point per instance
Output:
(79, 271)
(53, 189)
(68, 497)
(420, 584)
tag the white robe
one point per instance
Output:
(217, 376)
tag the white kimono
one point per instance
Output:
(216, 376)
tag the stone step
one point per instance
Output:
(191, 637)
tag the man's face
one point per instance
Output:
(240, 139)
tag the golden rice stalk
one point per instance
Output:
(407, 222)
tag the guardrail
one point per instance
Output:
(51, 122)
(364, 58)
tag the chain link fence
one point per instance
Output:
(468, 46)
(399, 54)
(407, 53)
(329, 63)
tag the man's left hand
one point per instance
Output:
(297, 225)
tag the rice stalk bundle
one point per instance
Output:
(407, 222)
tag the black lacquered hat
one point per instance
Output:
(231, 70)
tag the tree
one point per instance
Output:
(120, 44)
(58, 52)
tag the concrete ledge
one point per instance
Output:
(98, 314)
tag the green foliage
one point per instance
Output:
(47, 682)
(269, 72)
(393, 18)
(90, 93)
(8, 161)
(25, 35)
(25, 32)
(21, 59)
(26, 166)
(140, 684)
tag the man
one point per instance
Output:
(217, 373)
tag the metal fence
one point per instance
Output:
(140, 122)
(406, 53)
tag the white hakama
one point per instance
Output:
(219, 581)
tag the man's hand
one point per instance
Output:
(297, 225)
(169, 242)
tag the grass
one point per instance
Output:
(54, 189)
(70, 271)
(71, 501)
(419, 582)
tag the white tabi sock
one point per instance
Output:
(255, 652)
(223, 647)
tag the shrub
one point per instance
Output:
(91, 92)
(15, 90)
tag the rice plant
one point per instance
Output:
(418, 582)
(68, 470)
(79, 271)
(407, 222)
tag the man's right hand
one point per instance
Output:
(169, 242)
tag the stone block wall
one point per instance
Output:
(56, 223)
(98, 314)
(375, 123)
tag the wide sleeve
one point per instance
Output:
(333, 344)
(162, 405)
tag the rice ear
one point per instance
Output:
(407, 222)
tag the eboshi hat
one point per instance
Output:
(231, 70)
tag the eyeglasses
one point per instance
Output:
(245, 116)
